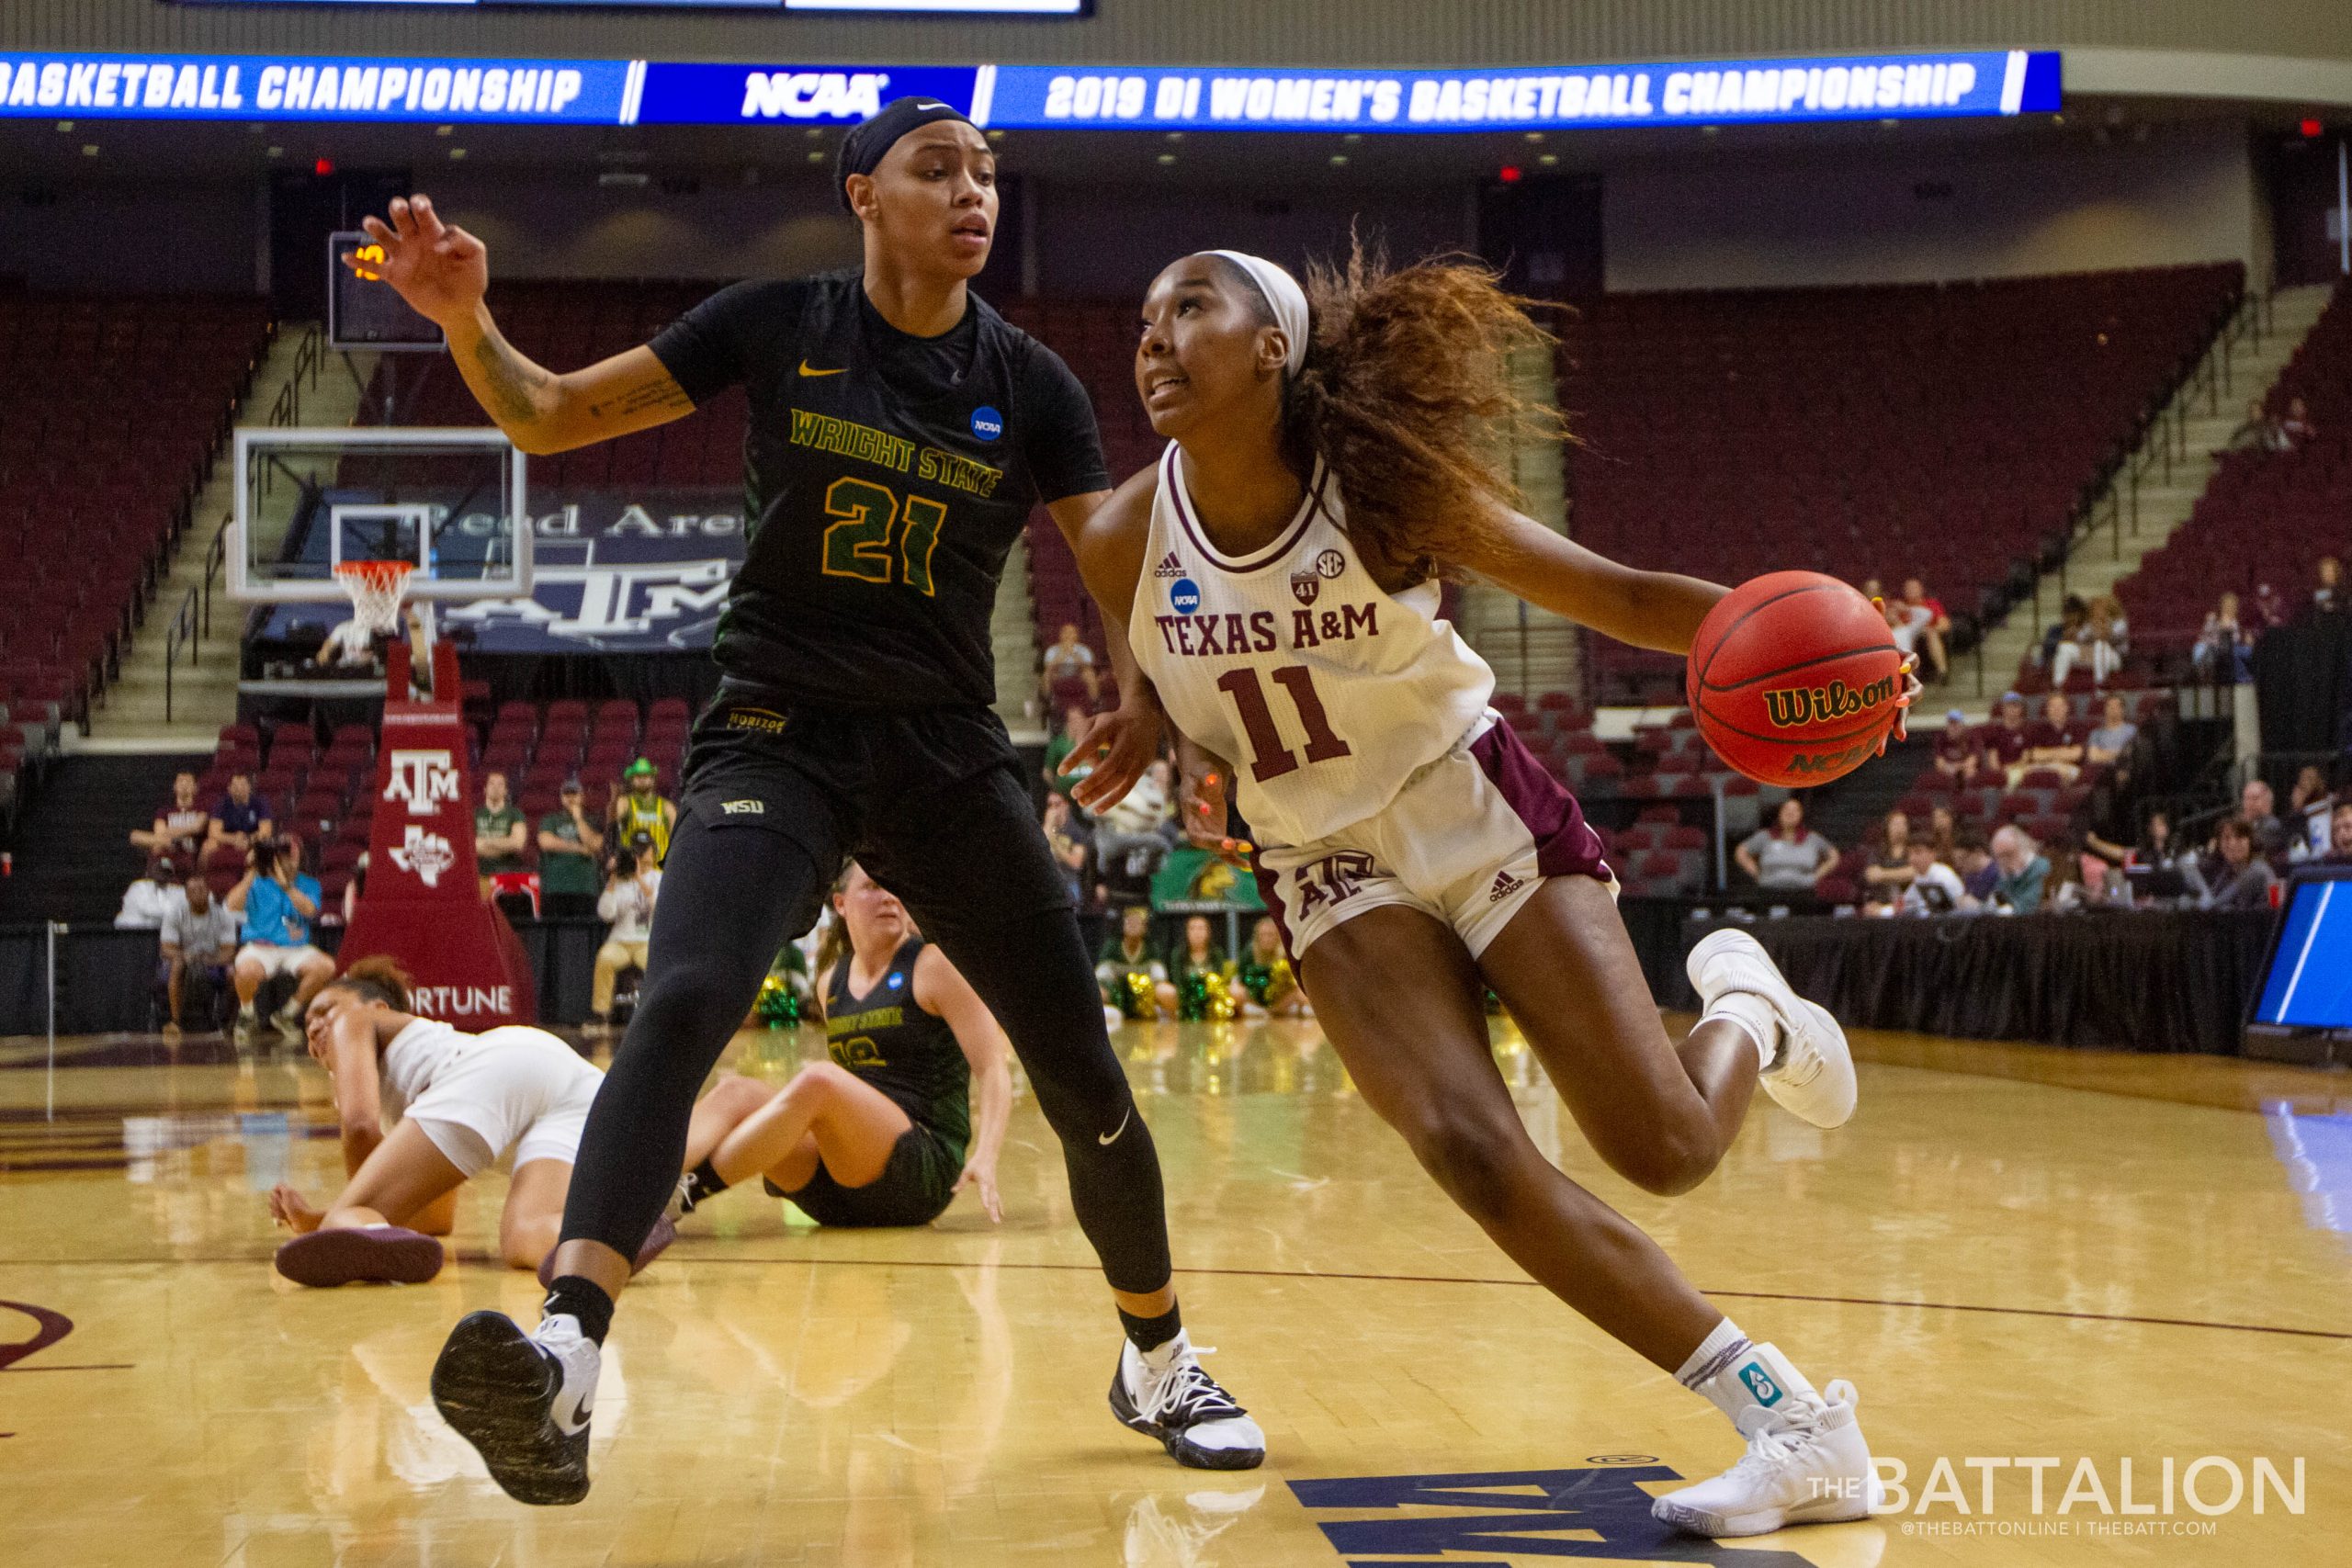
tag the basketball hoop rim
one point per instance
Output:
(376, 588)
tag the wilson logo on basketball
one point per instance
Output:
(1793, 705)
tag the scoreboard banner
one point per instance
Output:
(1026, 98)
(286, 87)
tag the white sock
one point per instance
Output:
(1732, 1374)
(1160, 1357)
(1754, 1016)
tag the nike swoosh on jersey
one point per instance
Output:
(1106, 1139)
(927, 104)
(805, 370)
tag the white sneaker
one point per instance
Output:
(1807, 1464)
(1198, 1423)
(1812, 1073)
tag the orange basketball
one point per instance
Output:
(1794, 679)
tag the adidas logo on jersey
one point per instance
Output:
(1505, 886)
(1169, 567)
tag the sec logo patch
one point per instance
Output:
(1183, 596)
(986, 423)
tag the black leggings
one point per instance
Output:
(969, 860)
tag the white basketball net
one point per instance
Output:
(376, 588)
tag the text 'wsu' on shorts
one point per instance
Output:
(1467, 840)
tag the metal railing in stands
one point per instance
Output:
(191, 621)
(2162, 442)
(309, 354)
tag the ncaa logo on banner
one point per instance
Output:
(1183, 596)
(986, 423)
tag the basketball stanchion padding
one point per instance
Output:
(1794, 679)
(423, 902)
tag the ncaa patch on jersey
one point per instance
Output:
(1183, 596)
(986, 423)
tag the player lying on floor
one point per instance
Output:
(882, 1133)
(424, 1110)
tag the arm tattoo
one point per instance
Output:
(513, 380)
(661, 392)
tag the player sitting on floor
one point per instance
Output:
(453, 1103)
(878, 1135)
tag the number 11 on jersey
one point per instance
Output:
(1270, 759)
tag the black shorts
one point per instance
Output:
(914, 1187)
(934, 802)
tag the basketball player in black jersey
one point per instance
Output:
(901, 431)
(878, 1134)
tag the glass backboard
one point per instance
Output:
(453, 502)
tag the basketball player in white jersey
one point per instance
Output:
(1278, 571)
(424, 1110)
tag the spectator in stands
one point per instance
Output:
(1058, 750)
(1959, 753)
(2224, 648)
(1935, 888)
(2005, 738)
(1134, 981)
(2073, 616)
(2269, 609)
(355, 889)
(278, 902)
(2239, 878)
(1942, 832)
(626, 904)
(640, 809)
(570, 849)
(349, 648)
(1788, 855)
(2328, 597)
(1929, 622)
(180, 828)
(1973, 860)
(2297, 427)
(2101, 640)
(2339, 836)
(2054, 742)
(2103, 747)
(2170, 872)
(200, 943)
(2257, 808)
(2024, 870)
(241, 819)
(1131, 838)
(2259, 432)
(1068, 660)
(498, 832)
(2309, 804)
(147, 902)
(1070, 842)
(1889, 867)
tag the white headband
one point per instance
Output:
(1281, 292)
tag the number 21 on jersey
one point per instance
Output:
(858, 544)
(1269, 758)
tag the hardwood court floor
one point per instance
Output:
(2008, 1268)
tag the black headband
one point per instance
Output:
(869, 143)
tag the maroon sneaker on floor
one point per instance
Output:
(657, 1241)
(378, 1254)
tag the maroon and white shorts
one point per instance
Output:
(1467, 840)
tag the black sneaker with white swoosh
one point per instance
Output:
(522, 1401)
(1168, 1395)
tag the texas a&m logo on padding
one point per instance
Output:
(425, 780)
(427, 855)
